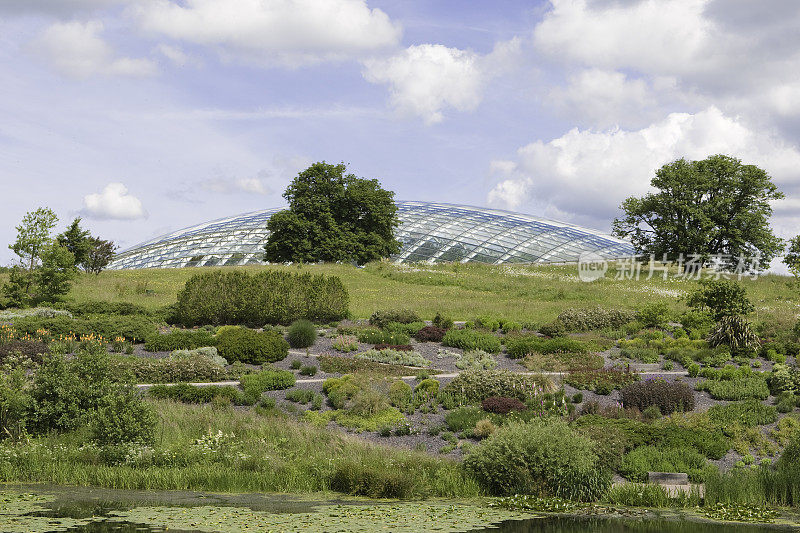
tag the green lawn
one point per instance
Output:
(522, 293)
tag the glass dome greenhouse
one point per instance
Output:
(430, 232)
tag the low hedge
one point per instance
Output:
(593, 318)
(268, 379)
(469, 339)
(668, 396)
(378, 336)
(519, 347)
(474, 386)
(131, 327)
(382, 318)
(253, 347)
(146, 370)
(179, 340)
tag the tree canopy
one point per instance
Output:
(792, 257)
(714, 207)
(333, 216)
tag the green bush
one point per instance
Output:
(737, 389)
(426, 389)
(395, 357)
(352, 476)
(268, 297)
(183, 392)
(602, 381)
(410, 329)
(301, 334)
(253, 347)
(468, 339)
(443, 322)
(332, 364)
(123, 418)
(101, 307)
(379, 336)
(667, 396)
(654, 315)
(308, 370)
(782, 378)
(720, 298)
(167, 370)
(638, 462)
(554, 329)
(544, 457)
(268, 379)
(206, 352)
(519, 347)
(487, 322)
(594, 318)
(179, 339)
(382, 319)
(474, 386)
(16, 404)
(748, 413)
(400, 394)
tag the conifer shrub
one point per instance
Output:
(253, 347)
(179, 340)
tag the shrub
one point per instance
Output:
(395, 357)
(123, 418)
(410, 329)
(468, 339)
(301, 395)
(521, 346)
(782, 378)
(636, 464)
(207, 352)
(694, 370)
(378, 336)
(359, 478)
(430, 334)
(743, 388)
(301, 334)
(593, 318)
(721, 298)
(426, 389)
(332, 364)
(445, 323)
(544, 457)
(345, 343)
(484, 428)
(168, 370)
(487, 322)
(668, 396)
(101, 307)
(308, 370)
(400, 394)
(296, 364)
(267, 297)
(132, 328)
(473, 360)
(553, 329)
(382, 318)
(395, 347)
(502, 405)
(179, 340)
(748, 413)
(248, 346)
(734, 331)
(473, 386)
(654, 315)
(602, 381)
(254, 385)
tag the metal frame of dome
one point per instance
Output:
(430, 232)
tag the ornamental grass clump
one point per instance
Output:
(301, 334)
(668, 396)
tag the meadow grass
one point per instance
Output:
(528, 294)
(255, 453)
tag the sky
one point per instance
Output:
(146, 116)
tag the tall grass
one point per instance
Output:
(256, 453)
(760, 486)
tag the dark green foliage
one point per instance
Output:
(76, 240)
(443, 322)
(430, 334)
(602, 381)
(99, 307)
(400, 394)
(519, 347)
(268, 379)
(731, 383)
(253, 347)
(379, 336)
(333, 217)
(720, 298)
(748, 413)
(355, 477)
(593, 318)
(301, 334)
(633, 434)
(474, 386)
(502, 405)
(16, 405)
(469, 339)
(655, 315)
(637, 463)
(32, 350)
(783, 379)
(716, 206)
(735, 332)
(100, 254)
(554, 329)
(132, 328)
(167, 370)
(668, 396)
(382, 319)
(410, 329)
(308, 370)
(544, 457)
(123, 418)
(183, 392)
(269, 297)
(178, 339)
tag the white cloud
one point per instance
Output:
(289, 32)
(76, 50)
(177, 56)
(587, 173)
(114, 202)
(428, 78)
(237, 185)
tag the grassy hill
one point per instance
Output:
(463, 291)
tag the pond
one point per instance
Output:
(44, 509)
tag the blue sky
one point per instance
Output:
(145, 116)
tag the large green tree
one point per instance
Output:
(333, 216)
(76, 240)
(714, 207)
(792, 257)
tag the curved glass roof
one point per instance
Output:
(431, 232)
